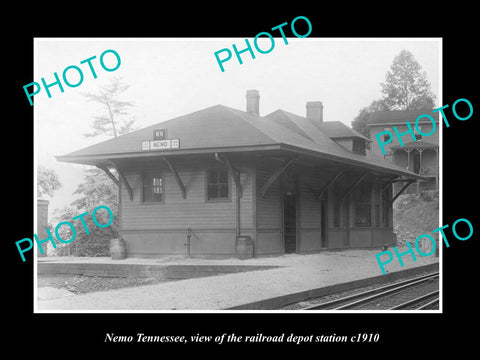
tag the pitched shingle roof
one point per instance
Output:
(221, 128)
(337, 129)
(399, 117)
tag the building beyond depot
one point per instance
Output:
(420, 156)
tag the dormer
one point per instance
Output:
(352, 144)
(345, 136)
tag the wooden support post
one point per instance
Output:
(403, 189)
(354, 185)
(271, 180)
(420, 150)
(408, 158)
(176, 176)
(124, 179)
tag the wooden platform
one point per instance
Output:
(143, 270)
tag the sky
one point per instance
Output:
(170, 77)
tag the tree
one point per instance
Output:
(95, 243)
(114, 122)
(359, 123)
(97, 188)
(47, 181)
(406, 86)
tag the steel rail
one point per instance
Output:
(416, 301)
(370, 295)
(427, 305)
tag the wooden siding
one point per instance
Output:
(269, 237)
(310, 210)
(152, 229)
(269, 242)
(310, 240)
(309, 203)
(161, 228)
(346, 143)
(246, 201)
(360, 238)
(336, 239)
(337, 236)
(145, 243)
(371, 238)
(268, 207)
(178, 213)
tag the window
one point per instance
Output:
(153, 187)
(386, 137)
(358, 146)
(363, 206)
(418, 136)
(217, 184)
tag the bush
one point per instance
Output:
(96, 243)
(429, 195)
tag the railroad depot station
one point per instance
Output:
(283, 183)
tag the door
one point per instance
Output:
(290, 223)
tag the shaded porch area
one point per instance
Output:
(419, 157)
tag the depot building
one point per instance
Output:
(197, 183)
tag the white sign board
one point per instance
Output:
(160, 144)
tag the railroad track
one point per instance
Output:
(403, 295)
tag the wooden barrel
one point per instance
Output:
(117, 249)
(244, 247)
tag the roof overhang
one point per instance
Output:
(391, 169)
(100, 159)
(105, 159)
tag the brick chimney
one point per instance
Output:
(253, 102)
(315, 111)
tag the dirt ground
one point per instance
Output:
(414, 215)
(79, 284)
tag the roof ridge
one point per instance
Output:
(250, 123)
(299, 129)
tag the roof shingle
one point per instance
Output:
(399, 117)
(221, 127)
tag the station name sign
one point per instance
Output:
(148, 145)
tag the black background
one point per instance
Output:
(83, 334)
